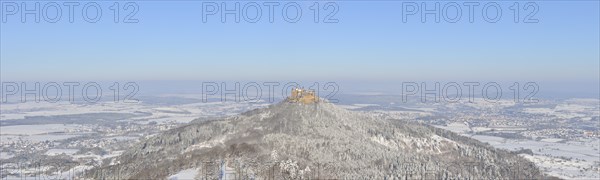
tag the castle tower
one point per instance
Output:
(302, 96)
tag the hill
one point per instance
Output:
(317, 141)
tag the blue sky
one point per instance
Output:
(370, 43)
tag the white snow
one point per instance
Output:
(54, 152)
(187, 174)
(37, 129)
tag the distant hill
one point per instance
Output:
(316, 141)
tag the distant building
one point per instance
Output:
(302, 96)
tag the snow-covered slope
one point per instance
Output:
(294, 141)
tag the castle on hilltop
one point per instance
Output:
(302, 96)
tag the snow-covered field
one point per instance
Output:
(54, 152)
(186, 174)
(37, 129)
(572, 159)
